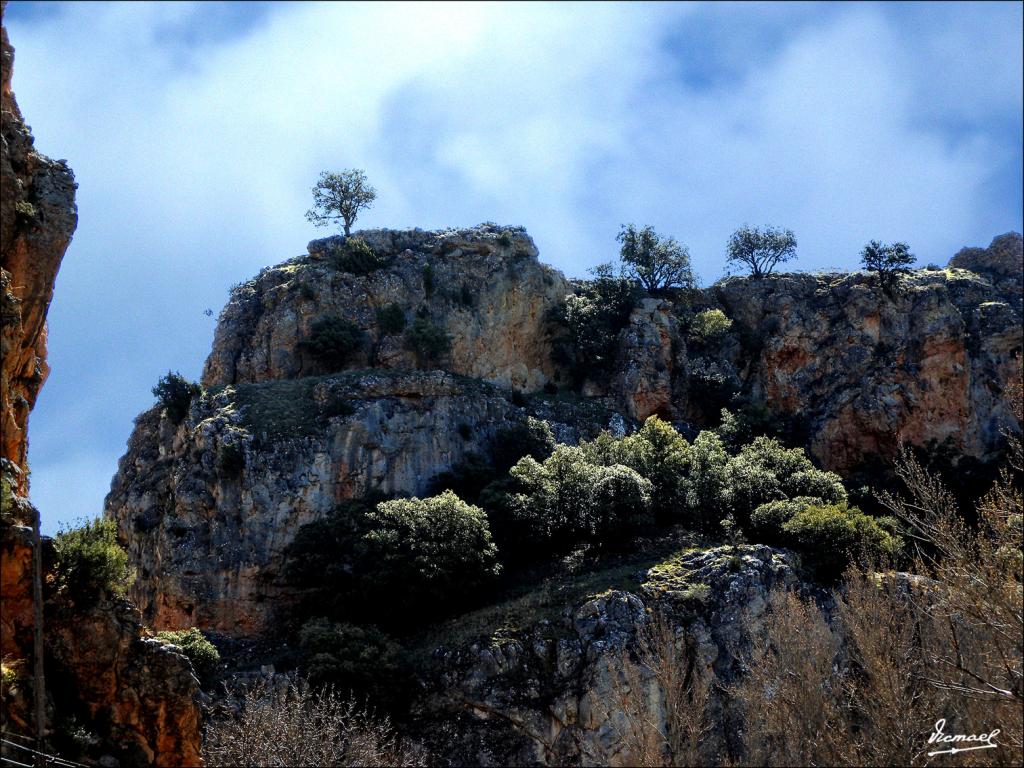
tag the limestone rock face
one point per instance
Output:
(483, 285)
(866, 369)
(208, 542)
(37, 218)
(547, 695)
(652, 352)
(138, 693)
(141, 689)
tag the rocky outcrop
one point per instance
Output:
(37, 218)
(484, 286)
(207, 507)
(135, 694)
(546, 696)
(866, 369)
(208, 534)
(138, 692)
(651, 355)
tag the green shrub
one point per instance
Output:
(391, 319)
(90, 562)
(201, 652)
(356, 257)
(709, 327)
(334, 342)
(428, 279)
(708, 497)
(428, 341)
(829, 537)
(546, 508)
(504, 240)
(361, 662)
(586, 326)
(424, 555)
(765, 470)
(531, 437)
(767, 520)
(175, 393)
(336, 405)
(230, 461)
(467, 479)
(660, 454)
(320, 561)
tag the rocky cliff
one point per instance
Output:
(485, 286)
(208, 533)
(207, 506)
(550, 693)
(134, 692)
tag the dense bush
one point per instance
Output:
(422, 555)
(587, 325)
(320, 561)
(230, 461)
(357, 257)
(392, 563)
(201, 652)
(334, 342)
(532, 437)
(767, 520)
(708, 327)
(708, 497)
(391, 319)
(428, 341)
(175, 393)
(549, 507)
(361, 662)
(656, 452)
(829, 537)
(90, 562)
(765, 470)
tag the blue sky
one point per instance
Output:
(197, 130)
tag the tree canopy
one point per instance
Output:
(654, 262)
(888, 261)
(761, 250)
(340, 196)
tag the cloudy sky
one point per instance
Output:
(196, 131)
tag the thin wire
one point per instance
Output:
(50, 758)
(13, 762)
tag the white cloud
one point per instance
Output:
(195, 160)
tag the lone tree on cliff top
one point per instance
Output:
(888, 261)
(656, 263)
(340, 196)
(760, 250)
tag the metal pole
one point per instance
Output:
(39, 685)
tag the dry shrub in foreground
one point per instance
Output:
(903, 650)
(659, 701)
(294, 725)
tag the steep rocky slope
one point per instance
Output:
(548, 694)
(862, 369)
(208, 540)
(134, 692)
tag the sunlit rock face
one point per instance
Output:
(139, 693)
(37, 218)
(484, 286)
(868, 369)
(863, 369)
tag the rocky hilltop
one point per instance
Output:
(207, 506)
(135, 692)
